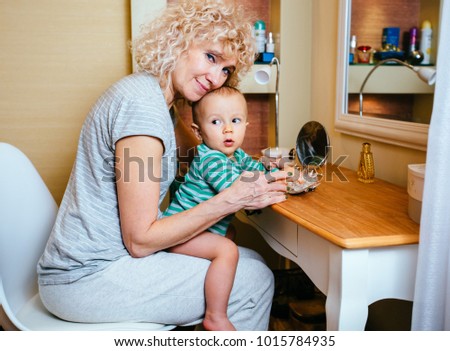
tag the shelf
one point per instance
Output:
(248, 84)
(386, 79)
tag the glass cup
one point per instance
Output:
(364, 54)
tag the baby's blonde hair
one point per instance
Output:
(165, 39)
(222, 91)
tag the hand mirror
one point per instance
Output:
(312, 145)
(312, 151)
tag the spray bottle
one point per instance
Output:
(425, 42)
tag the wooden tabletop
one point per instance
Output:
(352, 214)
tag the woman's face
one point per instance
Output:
(201, 69)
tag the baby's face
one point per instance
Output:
(222, 122)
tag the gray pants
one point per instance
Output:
(163, 288)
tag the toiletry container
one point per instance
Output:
(269, 53)
(390, 38)
(352, 58)
(270, 45)
(414, 56)
(425, 42)
(416, 174)
(260, 36)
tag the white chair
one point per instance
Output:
(27, 214)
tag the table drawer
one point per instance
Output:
(281, 229)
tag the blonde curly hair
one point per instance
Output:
(163, 40)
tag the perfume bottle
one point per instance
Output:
(366, 167)
(414, 56)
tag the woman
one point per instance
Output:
(105, 260)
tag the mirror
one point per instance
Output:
(397, 104)
(312, 145)
(312, 148)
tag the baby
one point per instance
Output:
(220, 121)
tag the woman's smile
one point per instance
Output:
(203, 87)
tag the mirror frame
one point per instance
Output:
(407, 134)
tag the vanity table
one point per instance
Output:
(355, 241)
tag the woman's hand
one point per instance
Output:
(256, 190)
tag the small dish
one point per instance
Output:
(298, 188)
(304, 182)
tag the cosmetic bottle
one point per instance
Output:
(260, 35)
(425, 42)
(270, 45)
(366, 167)
(414, 56)
(269, 53)
(352, 58)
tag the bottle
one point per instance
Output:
(270, 45)
(425, 42)
(366, 167)
(352, 58)
(260, 35)
(414, 56)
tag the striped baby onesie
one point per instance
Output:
(211, 171)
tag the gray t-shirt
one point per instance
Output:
(86, 235)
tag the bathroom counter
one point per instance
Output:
(355, 241)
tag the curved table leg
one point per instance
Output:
(347, 298)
